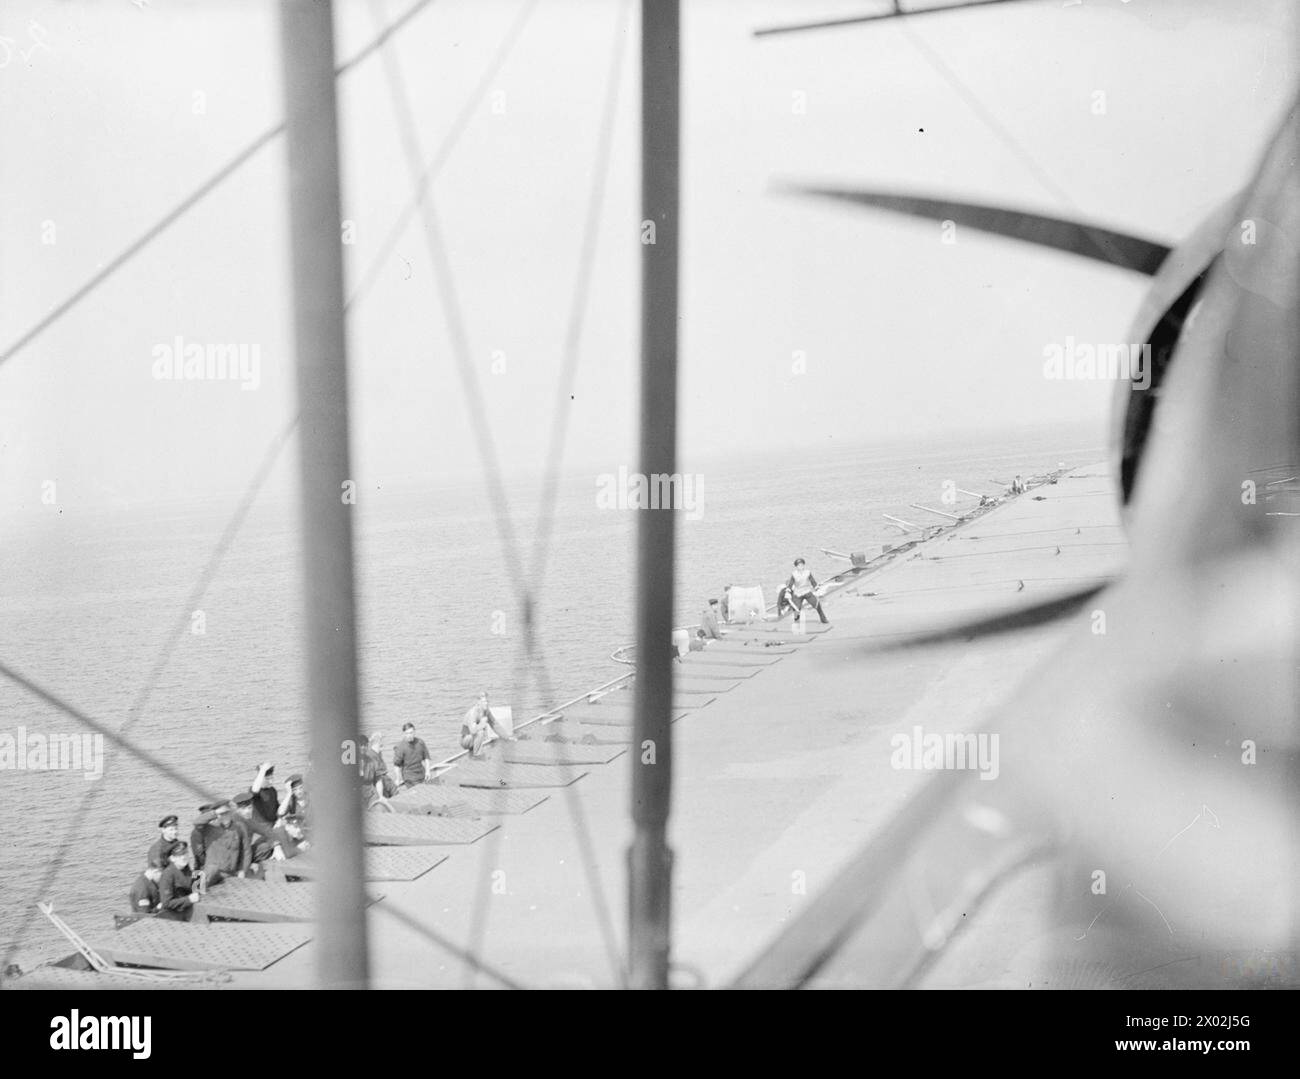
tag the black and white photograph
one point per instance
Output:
(650, 494)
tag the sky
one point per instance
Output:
(803, 323)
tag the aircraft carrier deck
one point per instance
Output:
(783, 767)
(777, 778)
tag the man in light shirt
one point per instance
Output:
(803, 590)
(480, 726)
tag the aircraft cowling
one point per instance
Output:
(1160, 322)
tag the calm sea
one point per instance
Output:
(88, 602)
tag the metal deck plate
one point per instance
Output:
(178, 946)
(596, 717)
(577, 734)
(65, 978)
(776, 640)
(263, 901)
(382, 863)
(430, 798)
(811, 628)
(702, 687)
(625, 702)
(407, 829)
(492, 774)
(720, 671)
(400, 803)
(760, 646)
(470, 801)
(605, 736)
(751, 660)
(618, 717)
(538, 752)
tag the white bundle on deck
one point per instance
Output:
(745, 603)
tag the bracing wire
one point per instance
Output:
(163, 658)
(486, 448)
(990, 121)
(191, 200)
(432, 168)
(572, 339)
(442, 155)
(444, 282)
(467, 957)
(532, 659)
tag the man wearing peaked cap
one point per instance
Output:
(143, 898)
(176, 894)
(161, 851)
(295, 802)
(227, 851)
(201, 834)
(259, 835)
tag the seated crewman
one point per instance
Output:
(176, 894)
(161, 850)
(411, 757)
(228, 853)
(375, 782)
(144, 892)
(200, 834)
(266, 801)
(479, 725)
(259, 834)
(295, 802)
(289, 838)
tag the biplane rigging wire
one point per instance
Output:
(193, 198)
(271, 456)
(1098, 237)
(571, 354)
(449, 303)
(178, 632)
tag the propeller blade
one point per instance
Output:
(1034, 614)
(1089, 241)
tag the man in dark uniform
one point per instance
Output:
(266, 800)
(259, 834)
(411, 757)
(161, 851)
(289, 837)
(200, 834)
(144, 892)
(228, 852)
(176, 895)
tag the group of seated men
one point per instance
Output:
(412, 761)
(234, 838)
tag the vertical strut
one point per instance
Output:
(307, 50)
(649, 859)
